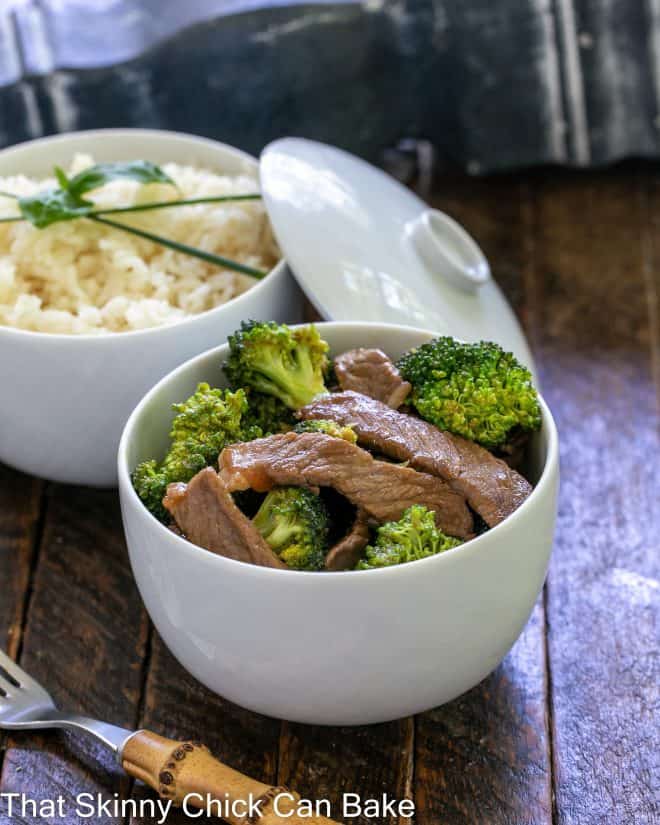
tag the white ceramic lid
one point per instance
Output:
(365, 248)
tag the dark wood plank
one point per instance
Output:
(592, 327)
(20, 510)
(325, 763)
(486, 756)
(495, 211)
(650, 185)
(178, 706)
(20, 506)
(85, 639)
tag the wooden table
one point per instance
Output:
(564, 730)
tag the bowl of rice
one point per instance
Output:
(92, 316)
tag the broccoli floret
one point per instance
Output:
(274, 359)
(268, 414)
(150, 483)
(294, 522)
(203, 425)
(330, 377)
(414, 536)
(322, 425)
(477, 390)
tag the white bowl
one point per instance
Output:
(336, 648)
(65, 398)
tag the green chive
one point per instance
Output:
(209, 257)
(143, 207)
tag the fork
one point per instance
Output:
(179, 771)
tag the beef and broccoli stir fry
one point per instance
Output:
(307, 464)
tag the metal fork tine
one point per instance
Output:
(10, 667)
(18, 674)
(28, 706)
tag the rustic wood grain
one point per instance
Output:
(650, 191)
(85, 639)
(486, 756)
(594, 345)
(20, 507)
(325, 763)
(179, 707)
(495, 211)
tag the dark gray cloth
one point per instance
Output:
(492, 85)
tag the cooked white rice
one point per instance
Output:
(81, 277)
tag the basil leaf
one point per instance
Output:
(52, 206)
(142, 171)
(62, 179)
(67, 202)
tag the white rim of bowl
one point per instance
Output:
(446, 557)
(152, 134)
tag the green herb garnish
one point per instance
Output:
(210, 257)
(145, 207)
(66, 202)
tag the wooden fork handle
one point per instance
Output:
(186, 771)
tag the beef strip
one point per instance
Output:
(346, 553)
(207, 515)
(492, 489)
(372, 373)
(382, 490)
(513, 452)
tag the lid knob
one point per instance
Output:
(446, 249)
